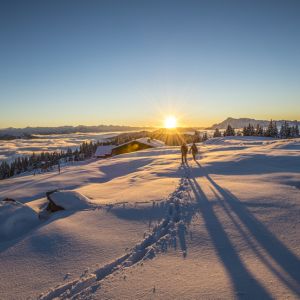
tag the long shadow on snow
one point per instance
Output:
(253, 247)
(241, 278)
(111, 172)
(181, 236)
(120, 169)
(247, 165)
(274, 247)
(56, 216)
(255, 164)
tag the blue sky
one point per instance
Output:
(133, 62)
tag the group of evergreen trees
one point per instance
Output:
(46, 160)
(229, 131)
(286, 131)
(250, 130)
(272, 130)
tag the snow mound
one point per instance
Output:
(16, 219)
(70, 200)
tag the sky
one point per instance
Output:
(134, 62)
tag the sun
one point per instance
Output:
(170, 122)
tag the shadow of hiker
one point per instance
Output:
(181, 236)
(241, 278)
(274, 247)
(280, 275)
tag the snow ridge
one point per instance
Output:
(178, 212)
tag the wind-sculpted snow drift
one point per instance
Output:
(16, 219)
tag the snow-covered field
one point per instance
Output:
(142, 226)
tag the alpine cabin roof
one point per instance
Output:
(104, 150)
(145, 140)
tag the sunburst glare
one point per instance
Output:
(170, 122)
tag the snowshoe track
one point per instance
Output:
(177, 209)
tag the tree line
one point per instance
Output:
(286, 131)
(45, 161)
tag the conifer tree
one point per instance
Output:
(217, 133)
(245, 131)
(229, 131)
(285, 130)
(259, 130)
(272, 130)
(297, 130)
(204, 137)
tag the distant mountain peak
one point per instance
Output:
(241, 122)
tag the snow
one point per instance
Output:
(70, 200)
(147, 141)
(151, 142)
(15, 219)
(146, 227)
(104, 150)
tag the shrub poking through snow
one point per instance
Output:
(52, 206)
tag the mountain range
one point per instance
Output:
(241, 122)
(10, 133)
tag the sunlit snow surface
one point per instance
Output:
(226, 227)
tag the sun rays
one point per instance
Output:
(170, 122)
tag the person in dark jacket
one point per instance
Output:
(184, 151)
(194, 150)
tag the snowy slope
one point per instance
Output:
(15, 219)
(226, 226)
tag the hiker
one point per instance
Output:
(184, 151)
(194, 151)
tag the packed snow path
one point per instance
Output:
(230, 230)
